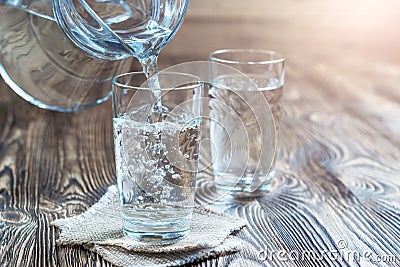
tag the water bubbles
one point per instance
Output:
(159, 172)
(157, 179)
(176, 176)
(156, 156)
(157, 148)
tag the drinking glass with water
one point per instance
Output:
(240, 129)
(157, 152)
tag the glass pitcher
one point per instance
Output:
(62, 54)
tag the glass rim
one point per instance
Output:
(279, 57)
(196, 82)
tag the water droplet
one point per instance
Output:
(176, 176)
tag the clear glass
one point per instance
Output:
(112, 29)
(157, 153)
(62, 54)
(42, 66)
(243, 160)
(228, 124)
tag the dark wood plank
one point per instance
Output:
(52, 165)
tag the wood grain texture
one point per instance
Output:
(338, 184)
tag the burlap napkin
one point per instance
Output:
(99, 229)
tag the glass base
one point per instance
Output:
(163, 238)
(241, 187)
(153, 232)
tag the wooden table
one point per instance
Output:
(338, 187)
